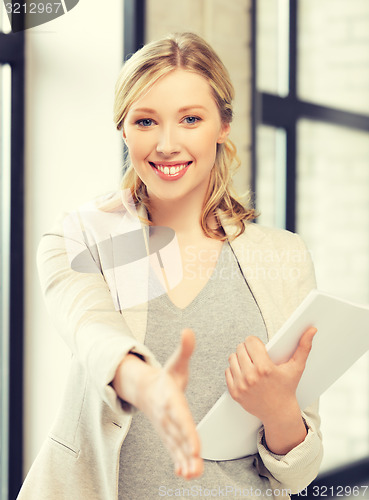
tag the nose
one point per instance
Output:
(167, 141)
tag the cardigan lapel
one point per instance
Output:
(131, 280)
(257, 258)
(153, 265)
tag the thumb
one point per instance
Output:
(177, 364)
(303, 349)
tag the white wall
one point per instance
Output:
(72, 154)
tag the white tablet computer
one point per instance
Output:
(228, 432)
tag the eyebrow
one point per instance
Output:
(181, 110)
(188, 108)
(143, 110)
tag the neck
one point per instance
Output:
(183, 217)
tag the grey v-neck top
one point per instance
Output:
(221, 315)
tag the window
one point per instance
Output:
(11, 257)
(311, 173)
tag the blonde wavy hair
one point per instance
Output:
(190, 52)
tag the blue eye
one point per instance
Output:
(145, 122)
(191, 120)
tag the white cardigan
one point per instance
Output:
(80, 457)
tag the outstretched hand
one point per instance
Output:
(162, 399)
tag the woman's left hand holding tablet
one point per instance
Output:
(159, 393)
(268, 390)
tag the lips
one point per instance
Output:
(170, 171)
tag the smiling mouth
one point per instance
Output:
(171, 170)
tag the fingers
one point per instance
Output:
(173, 443)
(179, 432)
(247, 367)
(178, 364)
(249, 356)
(181, 356)
(174, 422)
(187, 342)
(229, 380)
(175, 425)
(195, 469)
(257, 353)
(184, 445)
(176, 442)
(304, 347)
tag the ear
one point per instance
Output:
(124, 136)
(224, 133)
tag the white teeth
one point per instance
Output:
(171, 170)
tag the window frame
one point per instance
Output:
(285, 112)
(12, 52)
(134, 26)
(134, 20)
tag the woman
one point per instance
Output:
(121, 293)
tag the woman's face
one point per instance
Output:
(172, 133)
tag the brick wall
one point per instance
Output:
(333, 188)
(333, 217)
(334, 51)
